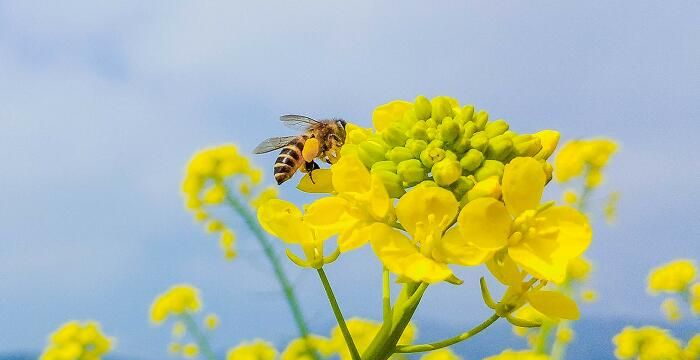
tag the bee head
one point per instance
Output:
(341, 123)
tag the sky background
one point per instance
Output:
(103, 102)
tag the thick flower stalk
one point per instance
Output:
(210, 178)
(77, 341)
(432, 186)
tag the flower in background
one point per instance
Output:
(695, 298)
(77, 341)
(442, 354)
(178, 300)
(671, 310)
(584, 157)
(518, 355)
(673, 277)
(648, 343)
(211, 321)
(363, 332)
(255, 350)
(298, 349)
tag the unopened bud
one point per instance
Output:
(465, 115)
(441, 108)
(384, 165)
(496, 128)
(471, 160)
(370, 152)
(392, 183)
(526, 145)
(462, 186)
(446, 172)
(479, 141)
(480, 119)
(416, 146)
(488, 169)
(486, 188)
(427, 183)
(419, 130)
(399, 154)
(463, 143)
(499, 148)
(423, 108)
(394, 136)
(431, 155)
(548, 169)
(411, 171)
(449, 130)
(549, 140)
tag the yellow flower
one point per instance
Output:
(77, 341)
(268, 193)
(177, 300)
(589, 295)
(363, 332)
(695, 298)
(570, 197)
(671, 310)
(285, 221)
(579, 268)
(518, 355)
(175, 348)
(179, 330)
(578, 155)
(255, 350)
(648, 343)
(298, 349)
(674, 277)
(425, 213)
(565, 335)
(211, 321)
(541, 239)
(190, 350)
(362, 201)
(442, 354)
(692, 348)
(529, 313)
(610, 209)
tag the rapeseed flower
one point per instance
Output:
(671, 310)
(298, 349)
(178, 300)
(77, 341)
(510, 354)
(695, 298)
(673, 277)
(211, 321)
(648, 343)
(442, 354)
(363, 332)
(542, 239)
(254, 350)
(578, 156)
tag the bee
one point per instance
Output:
(321, 139)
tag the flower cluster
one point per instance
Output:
(518, 355)
(584, 157)
(77, 341)
(649, 343)
(178, 300)
(205, 185)
(676, 278)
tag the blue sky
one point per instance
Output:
(103, 102)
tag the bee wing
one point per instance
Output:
(298, 122)
(272, 144)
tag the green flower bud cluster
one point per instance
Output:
(440, 143)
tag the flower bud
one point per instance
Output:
(411, 171)
(432, 133)
(409, 118)
(449, 130)
(480, 119)
(399, 154)
(465, 115)
(431, 155)
(384, 165)
(349, 150)
(499, 148)
(549, 140)
(526, 145)
(394, 136)
(486, 188)
(437, 143)
(441, 108)
(450, 155)
(356, 136)
(419, 130)
(496, 128)
(423, 108)
(446, 172)
(370, 152)
(431, 123)
(479, 141)
(416, 146)
(462, 186)
(392, 183)
(488, 169)
(463, 143)
(427, 183)
(471, 160)
(548, 169)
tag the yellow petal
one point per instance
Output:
(380, 202)
(537, 258)
(574, 235)
(350, 175)
(505, 270)
(355, 236)
(384, 115)
(284, 220)
(554, 304)
(401, 257)
(328, 216)
(455, 249)
(322, 182)
(485, 222)
(427, 205)
(523, 184)
(569, 161)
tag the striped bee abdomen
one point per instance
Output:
(290, 160)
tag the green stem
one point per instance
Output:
(559, 347)
(448, 342)
(199, 337)
(542, 343)
(338, 315)
(289, 294)
(386, 296)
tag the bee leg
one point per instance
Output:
(310, 167)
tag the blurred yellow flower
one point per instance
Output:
(77, 341)
(529, 313)
(565, 335)
(540, 238)
(579, 155)
(179, 330)
(363, 332)
(442, 354)
(518, 355)
(692, 348)
(695, 298)
(674, 277)
(255, 350)
(648, 343)
(579, 268)
(589, 295)
(177, 300)
(175, 348)
(211, 321)
(671, 310)
(190, 350)
(298, 349)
